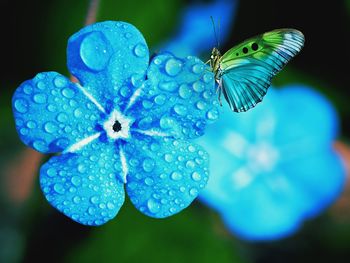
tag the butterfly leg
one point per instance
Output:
(219, 90)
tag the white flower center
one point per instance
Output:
(118, 126)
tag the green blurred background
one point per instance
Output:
(34, 36)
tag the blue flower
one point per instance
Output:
(273, 166)
(127, 121)
(196, 33)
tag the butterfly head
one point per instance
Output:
(215, 53)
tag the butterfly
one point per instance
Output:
(244, 73)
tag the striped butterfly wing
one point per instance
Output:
(248, 68)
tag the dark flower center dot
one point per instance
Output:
(117, 126)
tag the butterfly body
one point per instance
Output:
(244, 73)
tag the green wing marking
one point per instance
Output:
(248, 68)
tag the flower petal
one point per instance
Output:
(51, 113)
(106, 57)
(178, 98)
(165, 175)
(84, 185)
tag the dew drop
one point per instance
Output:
(173, 67)
(28, 89)
(81, 168)
(91, 210)
(184, 91)
(40, 85)
(198, 86)
(195, 175)
(110, 205)
(78, 113)
(212, 114)
(140, 50)
(153, 206)
(190, 164)
(166, 122)
(168, 85)
(168, 157)
(51, 172)
(124, 91)
(21, 105)
(160, 99)
(176, 176)
(148, 165)
(31, 124)
(50, 127)
(94, 199)
(60, 81)
(94, 51)
(62, 117)
(197, 68)
(180, 109)
(207, 77)
(68, 93)
(76, 199)
(194, 192)
(200, 105)
(149, 181)
(191, 148)
(58, 188)
(76, 180)
(40, 146)
(39, 98)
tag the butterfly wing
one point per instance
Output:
(247, 69)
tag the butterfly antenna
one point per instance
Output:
(215, 35)
(218, 40)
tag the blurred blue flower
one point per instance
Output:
(274, 166)
(128, 121)
(196, 34)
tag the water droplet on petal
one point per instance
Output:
(76, 180)
(207, 77)
(184, 91)
(153, 206)
(197, 68)
(140, 50)
(180, 109)
(40, 146)
(149, 181)
(176, 176)
(50, 127)
(194, 191)
(173, 67)
(196, 176)
(60, 81)
(110, 205)
(94, 51)
(94, 199)
(31, 124)
(28, 89)
(201, 105)
(78, 113)
(76, 199)
(168, 85)
(21, 105)
(58, 188)
(68, 93)
(160, 99)
(168, 157)
(190, 164)
(198, 86)
(212, 114)
(51, 172)
(62, 117)
(148, 165)
(39, 98)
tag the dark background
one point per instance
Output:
(33, 39)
